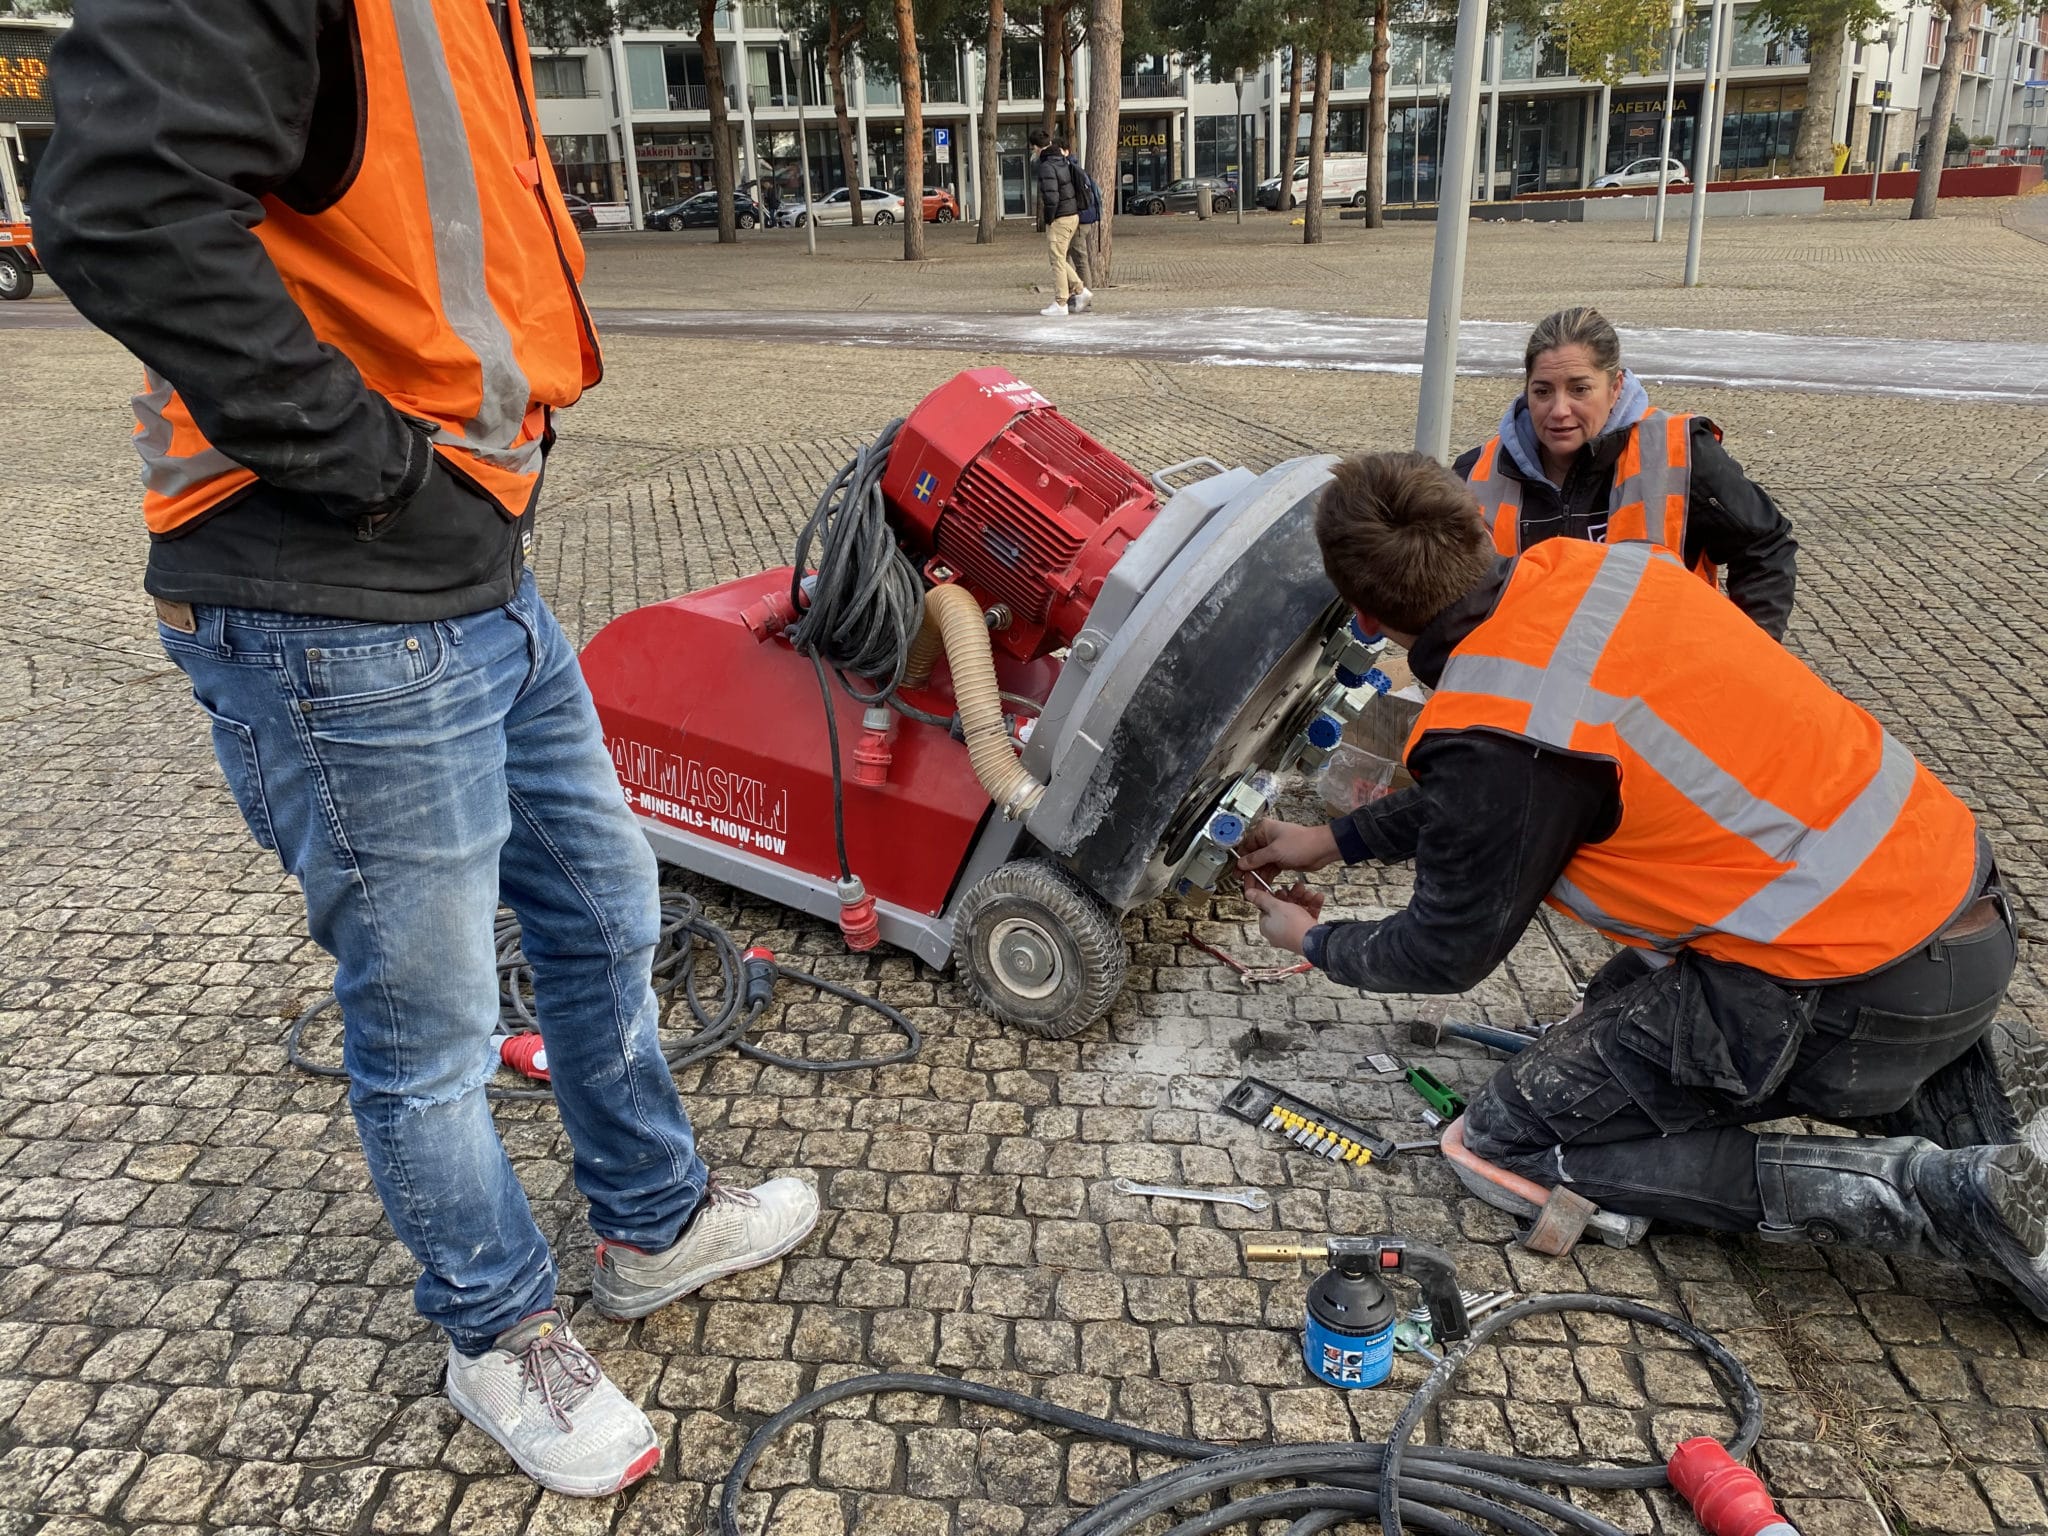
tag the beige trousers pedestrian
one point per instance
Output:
(1059, 236)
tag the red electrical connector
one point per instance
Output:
(871, 757)
(858, 924)
(1729, 1499)
(526, 1054)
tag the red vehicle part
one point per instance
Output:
(1020, 505)
(18, 262)
(720, 733)
(1729, 1499)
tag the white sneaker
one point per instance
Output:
(542, 1396)
(1084, 298)
(1054, 308)
(734, 1229)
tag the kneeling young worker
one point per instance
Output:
(1813, 923)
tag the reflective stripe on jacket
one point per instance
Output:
(445, 269)
(1766, 820)
(1652, 486)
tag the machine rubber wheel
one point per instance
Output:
(675, 221)
(745, 221)
(1219, 205)
(1035, 948)
(16, 281)
(943, 216)
(1358, 199)
(885, 217)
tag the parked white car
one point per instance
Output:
(876, 207)
(1641, 173)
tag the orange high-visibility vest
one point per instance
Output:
(446, 271)
(1765, 819)
(1651, 491)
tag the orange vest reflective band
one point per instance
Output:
(446, 271)
(1652, 487)
(1765, 819)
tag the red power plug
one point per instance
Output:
(1729, 1499)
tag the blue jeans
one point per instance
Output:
(412, 777)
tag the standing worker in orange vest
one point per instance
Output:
(1581, 454)
(1812, 924)
(331, 234)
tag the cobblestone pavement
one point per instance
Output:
(206, 1325)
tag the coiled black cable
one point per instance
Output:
(1338, 1480)
(715, 1024)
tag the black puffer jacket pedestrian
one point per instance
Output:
(1057, 189)
(1729, 518)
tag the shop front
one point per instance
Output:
(675, 163)
(583, 165)
(1635, 126)
(1144, 158)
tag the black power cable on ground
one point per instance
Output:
(1337, 1481)
(716, 1023)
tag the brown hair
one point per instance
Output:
(1401, 536)
(1579, 326)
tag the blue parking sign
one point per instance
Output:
(941, 137)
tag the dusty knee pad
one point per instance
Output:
(1499, 1124)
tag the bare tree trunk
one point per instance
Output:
(1318, 133)
(913, 133)
(1051, 59)
(836, 44)
(1069, 45)
(1105, 100)
(1377, 115)
(722, 175)
(1813, 152)
(1290, 124)
(991, 172)
(1927, 193)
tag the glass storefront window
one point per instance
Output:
(674, 164)
(1216, 146)
(1762, 123)
(782, 178)
(1537, 143)
(1144, 157)
(1635, 126)
(583, 165)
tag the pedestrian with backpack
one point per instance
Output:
(1082, 251)
(1061, 195)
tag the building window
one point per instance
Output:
(1216, 146)
(666, 77)
(583, 165)
(674, 164)
(1023, 70)
(941, 76)
(1150, 75)
(559, 77)
(770, 79)
(1761, 125)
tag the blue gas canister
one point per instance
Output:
(1348, 1339)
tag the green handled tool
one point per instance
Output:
(1445, 1100)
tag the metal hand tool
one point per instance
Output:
(1250, 1199)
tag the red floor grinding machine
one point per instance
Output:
(1064, 689)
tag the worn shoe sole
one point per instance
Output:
(624, 1301)
(2019, 1061)
(2016, 1187)
(575, 1488)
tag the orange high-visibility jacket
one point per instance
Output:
(1652, 487)
(446, 271)
(1765, 819)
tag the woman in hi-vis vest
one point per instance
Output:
(1582, 454)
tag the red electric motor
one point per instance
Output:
(716, 724)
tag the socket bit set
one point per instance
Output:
(1257, 1102)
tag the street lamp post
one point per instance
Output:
(1696, 225)
(1670, 106)
(1237, 137)
(1880, 108)
(803, 153)
(1453, 224)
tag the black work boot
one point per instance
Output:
(1996, 1092)
(1985, 1208)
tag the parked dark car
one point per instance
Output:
(701, 212)
(581, 214)
(1179, 197)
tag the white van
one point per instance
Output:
(1344, 179)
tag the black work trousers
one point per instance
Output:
(1638, 1104)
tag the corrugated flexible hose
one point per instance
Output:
(962, 628)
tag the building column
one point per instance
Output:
(860, 97)
(1603, 111)
(622, 99)
(1495, 57)
(750, 157)
(1277, 153)
(971, 66)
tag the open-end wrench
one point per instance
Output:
(1250, 1199)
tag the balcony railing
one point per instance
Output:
(1150, 85)
(688, 98)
